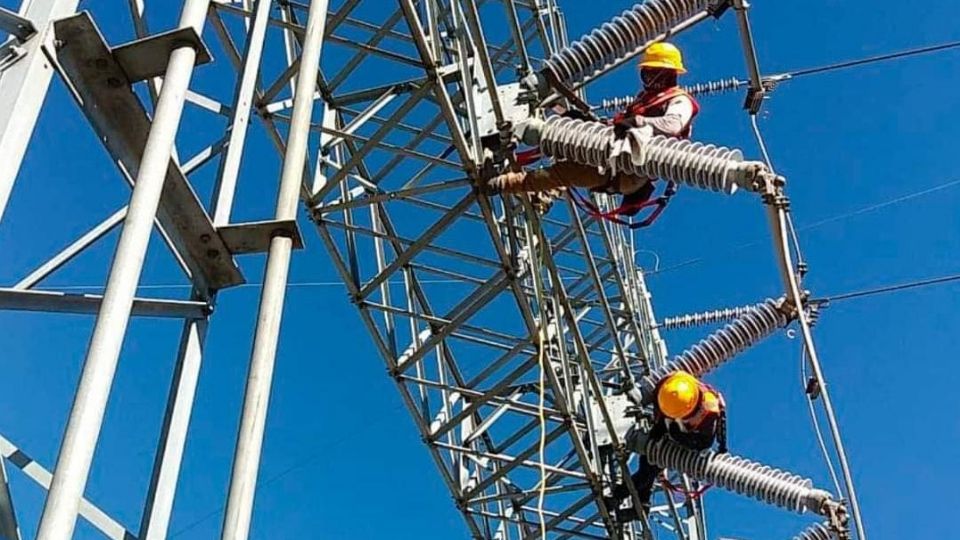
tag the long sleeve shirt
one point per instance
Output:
(677, 116)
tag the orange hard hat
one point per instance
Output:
(678, 395)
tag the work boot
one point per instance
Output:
(503, 183)
(623, 515)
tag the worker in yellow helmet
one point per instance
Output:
(662, 107)
(688, 411)
(662, 104)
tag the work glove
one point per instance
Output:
(621, 128)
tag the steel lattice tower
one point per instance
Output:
(382, 145)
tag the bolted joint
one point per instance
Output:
(838, 519)
(535, 87)
(821, 502)
(718, 8)
(760, 179)
(786, 306)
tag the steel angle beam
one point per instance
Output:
(16, 25)
(110, 527)
(254, 237)
(9, 530)
(103, 91)
(60, 302)
(147, 58)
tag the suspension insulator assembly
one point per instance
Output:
(756, 323)
(715, 87)
(743, 476)
(619, 37)
(699, 165)
(609, 105)
(817, 531)
(615, 104)
(706, 317)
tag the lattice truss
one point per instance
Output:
(479, 306)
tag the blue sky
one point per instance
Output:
(342, 460)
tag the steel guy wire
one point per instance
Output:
(292, 467)
(816, 224)
(674, 322)
(690, 262)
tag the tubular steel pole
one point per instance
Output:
(86, 417)
(246, 464)
(155, 521)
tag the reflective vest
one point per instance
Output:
(652, 105)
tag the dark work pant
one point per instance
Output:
(643, 481)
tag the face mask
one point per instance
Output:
(651, 77)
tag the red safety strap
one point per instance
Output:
(691, 495)
(527, 157)
(660, 203)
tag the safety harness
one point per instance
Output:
(690, 494)
(654, 104)
(645, 104)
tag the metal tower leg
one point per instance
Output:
(23, 87)
(86, 417)
(173, 436)
(246, 464)
(8, 518)
(243, 102)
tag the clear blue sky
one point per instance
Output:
(845, 141)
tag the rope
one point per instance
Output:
(542, 360)
(543, 436)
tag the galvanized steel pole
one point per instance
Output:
(86, 417)
(246, 464)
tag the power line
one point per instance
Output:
(839, 217)
(892, 288)
(300, 464)
(873, 59)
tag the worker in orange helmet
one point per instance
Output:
(662, 107)
(688, 411)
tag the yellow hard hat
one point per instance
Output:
(663, 55)
(678, 395)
